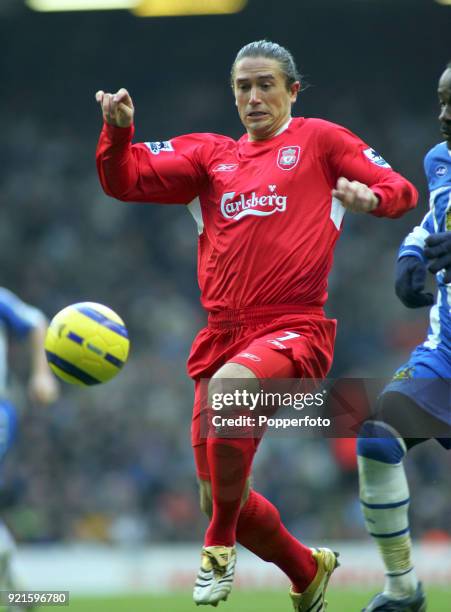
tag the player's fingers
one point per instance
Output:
(51, 396)
(364, 198)
(439, 238)
(433, 267)
(46, 392)
(354, 196)
(440, 262)
(363, 193)
(125, 110)
(345, 199)
(357, 190)
(336, 193)
(122, 96)
(341, 189)
(108, 106)
(347, 190)
(435, 251)
(343, 196)
(106, 102)
(445, 260)
(99, 95)
(342, 184)
(424, 299)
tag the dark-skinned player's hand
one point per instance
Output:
(410, 280)
(438, 252)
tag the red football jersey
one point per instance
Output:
(266, 217)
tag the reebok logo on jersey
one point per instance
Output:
(375, 158)
(288, 157)
(260, 206)
(225, 168)
(158, 146)
(249, 356)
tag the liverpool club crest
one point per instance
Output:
(288, 157)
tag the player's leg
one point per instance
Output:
(229, 458)
(261, 531)
(287, 355)
(384, 495)
(215, 577)
(259, 527)
(229, 463)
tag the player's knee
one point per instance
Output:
(232, 378)
(233, 370)
(380, 442)
(205, 495)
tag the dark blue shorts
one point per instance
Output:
(426, 380)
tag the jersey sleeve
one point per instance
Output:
(347, 155)
(439, 209)
(168, 172)
(413, 243)
(437, 168)
(20, 318)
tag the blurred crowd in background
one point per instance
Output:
(114, 463)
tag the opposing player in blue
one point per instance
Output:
(416, 404)
(19, 320)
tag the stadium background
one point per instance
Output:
(113, 464)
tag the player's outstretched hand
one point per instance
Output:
(438, 251)
(355, 196)
(409, 284)
(117, 109)
(43, 388)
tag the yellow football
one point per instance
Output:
(86, 344)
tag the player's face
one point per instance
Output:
(444, 96)
(261, 95)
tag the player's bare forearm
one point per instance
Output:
(43, 387)
(37, 353)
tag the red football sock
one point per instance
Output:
(260, 530)
(230, 461)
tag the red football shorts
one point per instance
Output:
(273, 341)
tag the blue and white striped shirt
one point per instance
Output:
(18, 319)
(437, 166)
